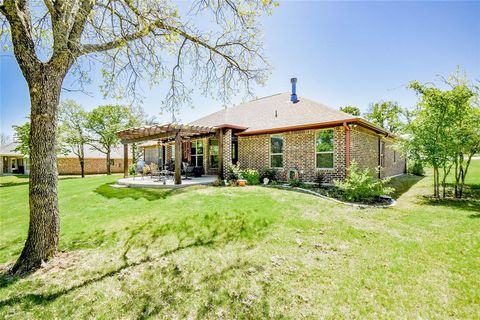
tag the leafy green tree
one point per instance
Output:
(102, 126)
(73, 120)
(354, 111)
(385, 114)
(132, 41)
(22, 137)
(444, 130)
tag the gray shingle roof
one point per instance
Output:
(276, 111)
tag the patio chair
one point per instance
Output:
(154, 171)
(187, 170)
(139, 168)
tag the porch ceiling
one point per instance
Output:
(165, 131)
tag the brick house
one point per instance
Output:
(12, 162)
(295, 135)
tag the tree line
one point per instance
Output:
(442, 131)
(78, 129)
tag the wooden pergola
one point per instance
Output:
(162, 133)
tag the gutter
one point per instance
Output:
(359, 121)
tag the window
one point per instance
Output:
(172, 154)
(276, 151)
(324, 149)
(196, 153)
(213, 151)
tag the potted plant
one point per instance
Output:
(241, 182)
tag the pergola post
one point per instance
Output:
(125, 160)
(178, 157)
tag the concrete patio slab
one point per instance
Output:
(148, 182)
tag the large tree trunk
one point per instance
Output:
(43, 231)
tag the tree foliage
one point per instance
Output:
(354, 111)
(214, 46)
(445, 131)
(73, 120)
(22, 138)
(385, 114)
(102, 126)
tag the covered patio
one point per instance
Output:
(176, 136)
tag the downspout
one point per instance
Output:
(379, 158)
(347, 147)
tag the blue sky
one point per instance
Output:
(343, 53)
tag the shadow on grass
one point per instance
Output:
(474, 216)
(402, 184)
(208, 230)
(470, 200)
(14, 184)
(458, 204)
(109, 192)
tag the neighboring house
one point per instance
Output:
(295, 135)
(13, 162)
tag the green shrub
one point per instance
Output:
(416, 168)
(295, 183)
(131, 170)
(319, 178)
(269, 173)
(217, 183)
(234, 172)
(252, 176)
(361, 185)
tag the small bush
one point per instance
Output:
(295, 183)
(319, 178)
(416, 168)
(234, 172)
(131, 169)
(360, 185)
(217, 183)
(252, 176)
(269, 173)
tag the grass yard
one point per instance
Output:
(206, 252)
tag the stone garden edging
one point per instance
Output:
(311, 192)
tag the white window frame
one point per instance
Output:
(210, 154)
(325, 152)
(196, 155)
(270, 154)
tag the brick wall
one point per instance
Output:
(253, 151)
(364, 148)
(227, 149)
(92, 166)
(298, 153)
(394, 164)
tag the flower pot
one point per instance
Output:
(242, 182)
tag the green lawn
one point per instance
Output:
(206, 252)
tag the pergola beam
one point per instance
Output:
(159, 132)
